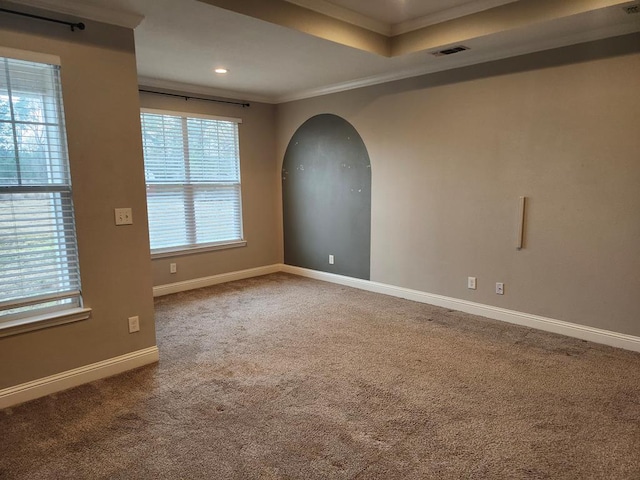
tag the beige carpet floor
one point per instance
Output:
(282, 377)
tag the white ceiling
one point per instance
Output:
(179, 42)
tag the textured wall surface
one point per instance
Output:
(102, 114)
(451, 153)
(326, 195)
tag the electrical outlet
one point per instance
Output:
(134, 324)
(471, 283)
(499, 288)
(123, 216)
(331, 260)
(173, 268)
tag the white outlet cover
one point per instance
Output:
(471, 283)
(134, 324)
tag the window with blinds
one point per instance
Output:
(192, 171)
(38, 255)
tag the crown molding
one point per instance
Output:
(438, 66)
(446, 15)
(390, 30)
(188, 88)
(120, 18)
(344, 14)
(477, 58)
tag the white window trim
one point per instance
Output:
(189, 114)
(58, 317)
(180, 251)
(28, 56)
(45, 320)
(186, 250)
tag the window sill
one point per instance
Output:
(178, 252)
(38, 322)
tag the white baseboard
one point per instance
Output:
(78, 376)
(606, 337)
(72, 378)
(170, 288)
(106, 368)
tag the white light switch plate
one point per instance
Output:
(123, 216)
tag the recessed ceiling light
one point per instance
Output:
(221, 70)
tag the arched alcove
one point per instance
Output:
(326, 193)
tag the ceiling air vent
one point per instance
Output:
(450, 51)
(632, 9)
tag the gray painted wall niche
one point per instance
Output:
(326, 197)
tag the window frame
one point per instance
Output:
(175, 251)
(46, 316)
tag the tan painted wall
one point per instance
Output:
(260, 195)
(451, 153)
(102, 117)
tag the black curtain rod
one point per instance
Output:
(79, 26)
(188, 97)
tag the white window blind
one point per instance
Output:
(192, 170)
(38, 255)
